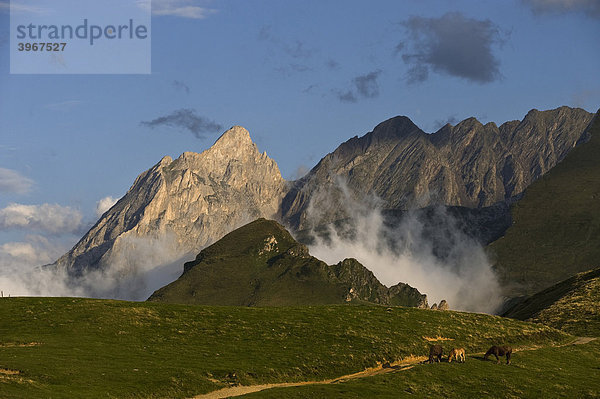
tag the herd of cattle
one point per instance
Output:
(458, 354)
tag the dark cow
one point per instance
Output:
(499, 351)
(435, 353)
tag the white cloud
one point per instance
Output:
(20, 271)
(134, 269)
(442, 262)
(104, 205)
(13, 6)
(180, 8)
(12, 181)
(35, 250)
(51, 218)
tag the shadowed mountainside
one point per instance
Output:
(556, 225)
(571, 305)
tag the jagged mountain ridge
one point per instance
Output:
(470, 164)
(261, 264)
(196, 198)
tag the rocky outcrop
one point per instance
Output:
(443, 305)
(403, 294)
(366, 287)
(470, 164)
(194, 199)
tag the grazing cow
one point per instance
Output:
(435, 353)
(499, 351)
(458, 354)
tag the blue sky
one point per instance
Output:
(301, 76)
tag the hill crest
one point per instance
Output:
(261, 264)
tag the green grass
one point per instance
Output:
(88, 348)
(571, 305)
(556, 226)
(566, 372)
(240, 270)
(260, 264)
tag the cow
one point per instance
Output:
(499, 351)
(435, 353)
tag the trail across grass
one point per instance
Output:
(239, 390)
(403, 365)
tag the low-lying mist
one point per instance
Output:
(426, 250)
(133, 270)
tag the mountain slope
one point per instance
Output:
(571, 305)
(556, 226)
(470, 164)
(260, 264)
(86, 348)
(192, 201)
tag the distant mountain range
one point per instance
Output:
(260, 264)
(198, 198)
(470, 164)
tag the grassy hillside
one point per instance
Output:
(66, 347)
(260, 264)
(571, 305)
(556, 226)
(567, 372)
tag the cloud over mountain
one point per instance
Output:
(186, 119)
(104, 205)
(50, 218)
(13, 182)
(362, 86)
(453, 45)
(179, 8)
(591, 8)
(181, 86)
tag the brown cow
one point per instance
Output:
(499, 351)
(458, 354)
(435, 353)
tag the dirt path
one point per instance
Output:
(239, 390)
(402, 365)
(582, 340)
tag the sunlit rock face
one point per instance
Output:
(185, 204)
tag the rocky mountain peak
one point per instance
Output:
(235, 137)
(194, 199)
(398, 126)
(165, 161)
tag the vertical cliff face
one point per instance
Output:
(194, 200)
(470, 164)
